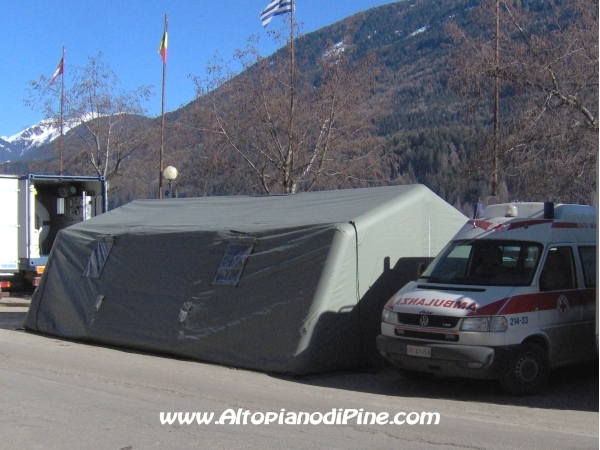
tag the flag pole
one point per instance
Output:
(292, 48)
(496, 103)
(292, 83)
(62, 101)
(293, 56)
(162, 125)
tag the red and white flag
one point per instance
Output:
(59, 71)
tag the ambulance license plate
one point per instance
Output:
(414, 350)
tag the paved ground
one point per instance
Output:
(12, 311)
(58, 394)
(15, 303)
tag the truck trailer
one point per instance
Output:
(34, 209)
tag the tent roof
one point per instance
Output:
(251, 214)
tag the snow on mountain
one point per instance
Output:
(18, 145)
(420, 30)
(335, 50)
(33, 136)
(5, 150)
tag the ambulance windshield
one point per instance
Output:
(485, 262)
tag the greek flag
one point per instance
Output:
(275, 8)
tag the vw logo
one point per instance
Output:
(424, 321)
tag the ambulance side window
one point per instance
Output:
(588, 262)
(558, 273)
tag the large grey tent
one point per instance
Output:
(275, 283)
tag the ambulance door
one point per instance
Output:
(560, 305)
(587, 282)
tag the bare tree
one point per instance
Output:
(107, 124)
(288, 127)
(548, 69)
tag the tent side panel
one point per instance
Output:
(384, 249)
(258, 324)
(393, 241)
(60, 304)
(156, 295)
(332, 329)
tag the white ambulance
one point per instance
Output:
(510, 297)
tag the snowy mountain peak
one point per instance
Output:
(35, 135)
(18, 145)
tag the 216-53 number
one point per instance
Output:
(519, 320)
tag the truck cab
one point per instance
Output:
(510, 297)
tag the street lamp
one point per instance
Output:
(170, 174)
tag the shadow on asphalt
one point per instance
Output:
(12, 320)
(569, 388)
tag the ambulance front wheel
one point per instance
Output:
(528, 371)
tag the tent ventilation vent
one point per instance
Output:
(232, 264)
(99, 256)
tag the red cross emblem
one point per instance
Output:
(562, 304)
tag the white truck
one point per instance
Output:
(510, 297)
(34, 208)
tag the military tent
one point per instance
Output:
(284, 284)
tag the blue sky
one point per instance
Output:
(128, 33)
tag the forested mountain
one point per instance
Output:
(431, 118)
(411, 48)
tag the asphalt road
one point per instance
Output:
(58, 394)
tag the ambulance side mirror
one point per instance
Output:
(420, 269)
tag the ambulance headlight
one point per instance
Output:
(498, 323)
(388, 316)
(475, 324)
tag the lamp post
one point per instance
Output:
(170, 174)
